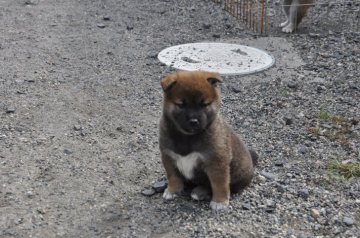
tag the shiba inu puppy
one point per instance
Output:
(196, 145)
(294, 10)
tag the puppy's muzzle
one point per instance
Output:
(194, 123)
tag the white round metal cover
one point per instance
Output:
(223, 58)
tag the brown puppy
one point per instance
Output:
(196, 144)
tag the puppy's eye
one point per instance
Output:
(205, 104)
(181, 104)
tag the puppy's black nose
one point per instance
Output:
(194, 122)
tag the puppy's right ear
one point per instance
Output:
(168, 82)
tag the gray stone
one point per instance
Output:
(30, 194)
(280, 188)
(292, 84)
(269, 210)
(270, 204)
(303, 150)
(236, 89)
(348, 221)
(288, 120)
(68, 151)
(279, 163)
(327, 126)
(10, 110)
(268, 175)
(206, 25)
(315, 213)
(304, 193)
(246, 206)
(30, 2)
(148, 192)
(77, 127)
(160, 186)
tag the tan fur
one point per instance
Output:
(226, 161)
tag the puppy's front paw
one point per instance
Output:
(289, 28)
(168, 195)
(218, 206)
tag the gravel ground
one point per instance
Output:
(80, 101)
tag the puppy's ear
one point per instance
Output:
(214, 79)
(168, 82)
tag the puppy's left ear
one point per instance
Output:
(214, 79)
(168, 82)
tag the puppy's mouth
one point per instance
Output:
(189, 131)
(192, 131)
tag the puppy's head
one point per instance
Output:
(191, 100)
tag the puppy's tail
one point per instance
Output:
(254, 157)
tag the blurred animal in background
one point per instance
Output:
(294, 10)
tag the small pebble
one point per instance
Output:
(290, 175)
(148, 192)
(271, 203)
(288, 120)
(269, 210)
(30, 194)
(246, 206)
(206, 25)
(19, 221)
(160, 186)
(303, 149)
(315, 213)
(101, 25)
(77, 127)
(348, 221)
(320, 88)
(10, 110)
(268, 175)
(280, 188)
(304, 193)
(106, 18)
(279, 163)
(30, 2)
(292, 84)
(68, 151)
(236, 89)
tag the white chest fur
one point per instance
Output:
(186, 164)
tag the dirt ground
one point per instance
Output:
(80, 101)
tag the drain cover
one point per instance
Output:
(224, 58)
